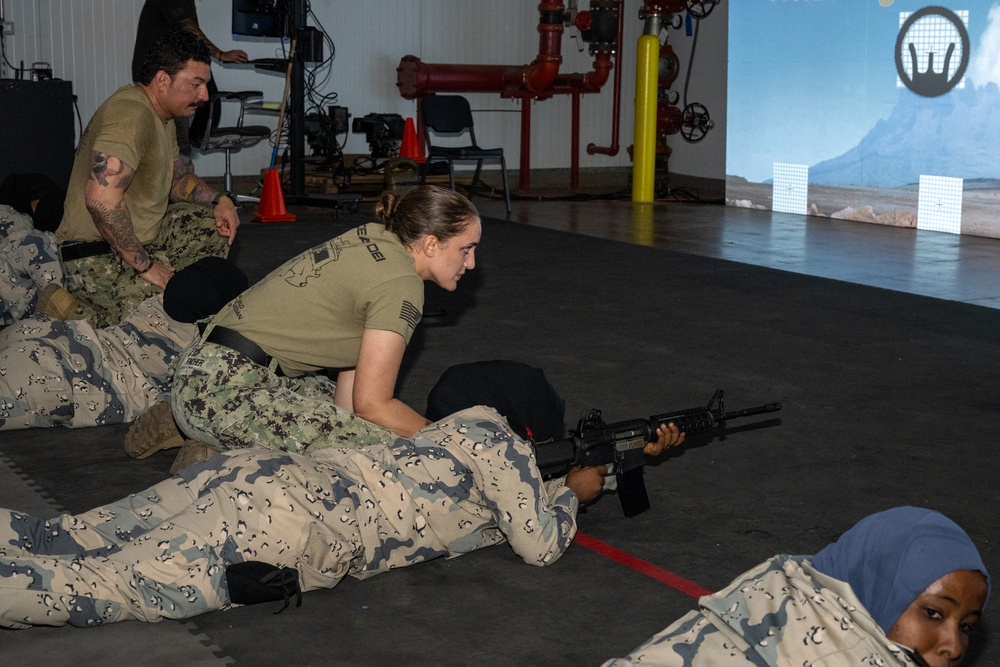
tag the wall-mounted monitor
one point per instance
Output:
(259, 18)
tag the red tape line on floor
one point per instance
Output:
(639, 565)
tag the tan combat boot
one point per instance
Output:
(192, 452)
(154, 430)
(55, 302)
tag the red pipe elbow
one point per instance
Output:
(591, 82)
(540, 74)
(416, 79)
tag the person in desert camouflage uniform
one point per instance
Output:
(56, 373)
(902, 587)
(67, 373)
(29, 260)
(458, 485)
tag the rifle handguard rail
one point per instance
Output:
(620, 444)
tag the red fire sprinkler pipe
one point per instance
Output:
(545, 67)
(574, 155)
(574, 85)
(416, 79)
(590, 82)
(616, 105)
(524, 169)
(539, 80)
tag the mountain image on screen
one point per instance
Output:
(955, 134)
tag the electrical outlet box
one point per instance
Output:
(8, 27)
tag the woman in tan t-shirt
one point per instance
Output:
(349, 304)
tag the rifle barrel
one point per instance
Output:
(759, 410)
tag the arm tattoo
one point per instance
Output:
(106, 203)
(101, 171)
(115, 225)
(190, 188)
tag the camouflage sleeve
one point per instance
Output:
(539, 521)
(691, 641)
(780, 612)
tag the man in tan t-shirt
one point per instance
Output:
(126, 176)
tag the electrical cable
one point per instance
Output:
(79, 118)
(316, 103)
(3, 52)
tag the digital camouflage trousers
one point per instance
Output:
(110, 289)
(226, 401)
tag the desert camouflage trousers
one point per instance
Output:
(221, 398)
(110, 289)
(67, 373)
(29, 261)
(162, 553)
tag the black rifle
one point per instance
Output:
(620, 445)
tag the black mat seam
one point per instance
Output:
(207, 641)
(17, 470)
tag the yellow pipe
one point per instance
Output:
(643, 229)
(647, 60)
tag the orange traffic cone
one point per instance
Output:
(272, 201)
(411, 147)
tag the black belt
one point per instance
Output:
(234, 340)
(80, 249)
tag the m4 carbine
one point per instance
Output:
(620, 445)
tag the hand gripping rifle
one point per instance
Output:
(619, 445)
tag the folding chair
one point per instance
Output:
(450, 116)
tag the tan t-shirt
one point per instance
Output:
(310, 313)
(127, 127)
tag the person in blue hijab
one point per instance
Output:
(890, 559)
(902, 587)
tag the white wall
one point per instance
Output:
(90, 43)
(705, 158)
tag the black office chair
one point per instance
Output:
(213, 137)
(450, 116)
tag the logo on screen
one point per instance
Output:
(932, 51)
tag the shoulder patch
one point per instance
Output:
(410, 314)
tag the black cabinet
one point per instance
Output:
(37, 128)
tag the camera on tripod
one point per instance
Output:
(383, 131)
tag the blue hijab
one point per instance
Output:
(891, 557)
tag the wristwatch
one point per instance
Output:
(221, 194)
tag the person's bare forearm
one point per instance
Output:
(396, 416)
(188, 187)
(193, 28)
(234, 56)
(114, 224)
(104, 197)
